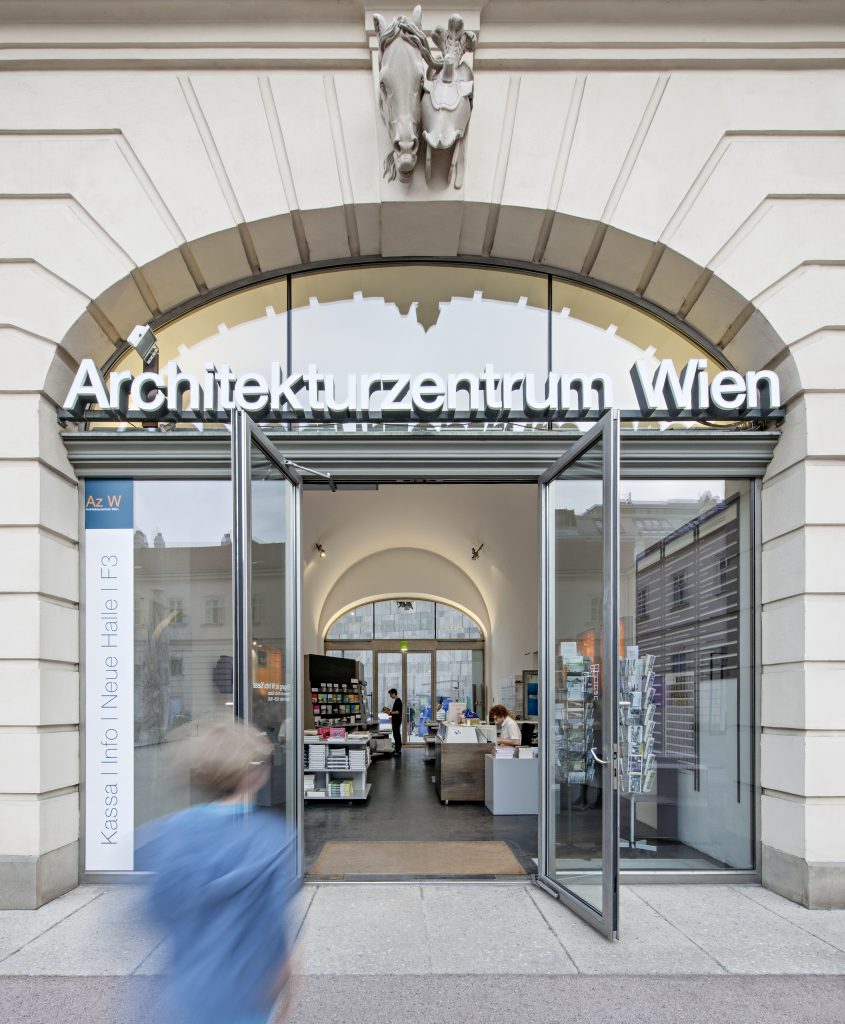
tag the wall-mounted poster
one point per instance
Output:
(109, 676)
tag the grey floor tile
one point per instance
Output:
(108, 936)
(741, 934)
(19, 927)
(365, 929)
(649, 944)
(488, 929)
(828, 925)
(156, 962)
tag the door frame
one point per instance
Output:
(605, 431)
(245, 434)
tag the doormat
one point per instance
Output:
(438, 859)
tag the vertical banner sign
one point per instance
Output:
(109, 681)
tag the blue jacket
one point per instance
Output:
(222, 887)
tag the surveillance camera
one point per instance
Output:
(142, 339)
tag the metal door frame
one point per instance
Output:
(245, 434)
(606, 431)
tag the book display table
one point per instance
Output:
(336, 768)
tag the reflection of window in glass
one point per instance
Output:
(175, 666)
(139, 611)
(595, 609)
(724, 574)
(679, 590)
(257, 607)
(261, 659)
(177, 611)
(213, 611)
(642, 603)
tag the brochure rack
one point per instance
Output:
(334, 696)
(637, 763)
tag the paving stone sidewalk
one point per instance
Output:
(420, 930)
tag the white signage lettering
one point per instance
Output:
(488, 395)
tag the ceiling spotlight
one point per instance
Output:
(476, 552)
(321, 549)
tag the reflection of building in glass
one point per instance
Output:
(687, 618)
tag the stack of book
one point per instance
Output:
(337, 758)
(316, 756)
(359, 758)
(340, 788)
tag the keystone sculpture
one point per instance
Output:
(422, 96)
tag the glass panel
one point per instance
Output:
(354, 625)
(418, 700)
(271, 664)
(183, 632)
(419, 318)
(404, 620)
(577, 579)
(452, 624)
(389, 667)
(596, 333)
(686, 783)
(247, 330)
(460, 677)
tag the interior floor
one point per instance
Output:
(403, 805)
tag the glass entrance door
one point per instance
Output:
(579, 663)
(418, 676)
(265, 553)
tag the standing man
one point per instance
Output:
(395, 720)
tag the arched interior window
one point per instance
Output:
(431, 652)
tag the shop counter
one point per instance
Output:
(459, 763)
(512, 785)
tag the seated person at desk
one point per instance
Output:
(509, 734)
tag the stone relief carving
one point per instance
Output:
(424, 98)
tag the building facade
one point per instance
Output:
(687, 157)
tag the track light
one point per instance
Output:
(321, 549)
(476, 552)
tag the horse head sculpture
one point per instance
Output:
(447, 99)
(404, 60)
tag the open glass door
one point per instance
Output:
(266, 584)
(578, 854)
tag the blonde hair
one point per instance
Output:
(225, 754)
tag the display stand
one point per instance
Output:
(336, 768)
(334, 693)
(637, 763)
(576, 692)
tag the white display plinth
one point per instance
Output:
(512, 785)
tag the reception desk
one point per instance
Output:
(459, 765)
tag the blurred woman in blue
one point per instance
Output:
(225, 874)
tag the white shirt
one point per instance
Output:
(510, 730)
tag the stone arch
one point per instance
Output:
(639, 269)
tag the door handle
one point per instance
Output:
(595, 756)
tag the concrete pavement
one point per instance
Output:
(458, 952)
